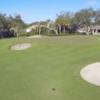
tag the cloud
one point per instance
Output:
(92, 2)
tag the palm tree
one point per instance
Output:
(63, 20)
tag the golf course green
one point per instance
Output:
(49, 69)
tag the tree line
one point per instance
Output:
(65, 22)
(11, 25)
(69, 22)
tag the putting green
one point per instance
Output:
(49, 70)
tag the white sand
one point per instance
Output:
(21, 46)
(34, 36)
(91, 73)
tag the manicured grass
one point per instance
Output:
(50, 70)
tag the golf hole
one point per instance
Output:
(91, 73)
(53, 89)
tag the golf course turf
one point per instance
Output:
(49, 70)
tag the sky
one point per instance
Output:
(37, 10)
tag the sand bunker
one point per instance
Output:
(91, 73)
(21, 46)
(35, 36)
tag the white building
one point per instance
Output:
(93, 30)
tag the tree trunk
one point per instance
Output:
(39, 30)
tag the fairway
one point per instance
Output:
(49, 69)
